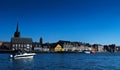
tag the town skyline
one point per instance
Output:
(83, 21)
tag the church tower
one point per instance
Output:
(17, 33)
(41, 41)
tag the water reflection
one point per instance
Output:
(22, 64)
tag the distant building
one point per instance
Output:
(5, 45)
(74, 46)
(20, 43)
(46, 47)
(0, 43)
(58, 48)
(67, 45)
(36, 46)
(100, 48)
(110, 48)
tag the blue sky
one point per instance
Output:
(92, 21)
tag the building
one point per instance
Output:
(36, 46)
(67, 45)
(58, 48)
(100, 48)
(110, 48)
(5, 45)
(18, 43)
(1, 43)
(46, 47)
(41, 42)
(74, 46)
(21, 43)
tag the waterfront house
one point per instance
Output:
(53, 47)
(100, 48)
(74, 46)
(46, 47)
(5, 45)
(67, 45)
(36, 46)
(85, 46)
(58, 48)
(0, 43)
(110, 48)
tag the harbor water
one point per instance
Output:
(63, 61)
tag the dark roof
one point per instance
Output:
(61, 42)
(52, 45)
(21, 40)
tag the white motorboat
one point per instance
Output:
(22, 55)
(87, 51)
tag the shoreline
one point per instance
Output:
(40, 52)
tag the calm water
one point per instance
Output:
(107, 61)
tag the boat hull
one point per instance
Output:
(86, 52)
(25, 55)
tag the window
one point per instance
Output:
(28, 45)
(21, 45)
(13, 45)
(16, 45)
(24, 45)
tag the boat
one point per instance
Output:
(22, 55)
(86, 51)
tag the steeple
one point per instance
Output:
(41, 41)
(17, 33)
(17, 28)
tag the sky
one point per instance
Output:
(91, 21)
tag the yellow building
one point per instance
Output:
(0, 43)
(58, 48)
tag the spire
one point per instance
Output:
(17, 28)
(17, 33)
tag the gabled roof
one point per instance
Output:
(53, 45)
(21, 40)
(61, 42)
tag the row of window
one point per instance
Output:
(21, 45)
